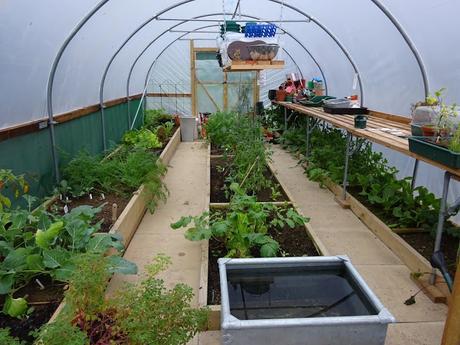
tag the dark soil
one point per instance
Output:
(218, 185)
(105, 214)
(44, 302)
(424, 244)
(215, 150)
(293, 242)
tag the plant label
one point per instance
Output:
(66, 209)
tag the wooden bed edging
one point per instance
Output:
(408, 255)
(129, 219)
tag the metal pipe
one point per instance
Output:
(285, 119)
(213, 14)
(334, 38)
(247, 21)
(441, 219)
(307, 150)
(414, 174)
(345, 170)
(178, 39)
(49, 91)
(409, 42)
(106, 70)
(236, 9)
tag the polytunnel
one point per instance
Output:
(294, 162)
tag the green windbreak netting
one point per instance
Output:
(31, 154)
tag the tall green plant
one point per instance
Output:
(146, 313)
(121, 174)
(369, 173)
(244, 227)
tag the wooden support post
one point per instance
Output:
(192, 77)
(452, 328)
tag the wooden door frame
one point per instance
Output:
(194, 81)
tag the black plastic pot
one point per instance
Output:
(360, 121)
(271, 94)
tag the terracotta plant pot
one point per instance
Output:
(280, 95)
(430, 130)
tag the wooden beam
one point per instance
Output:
(42, 123)
(451, 334)
(391, 117)
(193, 77)
(239, 66)
(205, 50)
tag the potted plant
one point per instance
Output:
(432, 117)
(281, 95)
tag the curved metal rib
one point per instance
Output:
(187, 33)
(334, 38)
(208, 15)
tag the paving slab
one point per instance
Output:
(188, 195)
(362, 247)
(419, 333)
(392, 285)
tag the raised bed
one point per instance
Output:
(416, 263)
(218, 184)
(212, 250)
(49, 305)
(108, 214)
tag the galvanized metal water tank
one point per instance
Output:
(299, 301)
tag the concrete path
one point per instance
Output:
(341, 232)
(188, 195)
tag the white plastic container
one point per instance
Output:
(188, 128)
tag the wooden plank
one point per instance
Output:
(408, 255)
(394, 118)
(431, 291)
(205, 50)
(204, 267)
(395, 143)
(451, 334)
(42, 123)
(192, 77)
(225, 205)
(254, 65)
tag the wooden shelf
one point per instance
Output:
(254, 65)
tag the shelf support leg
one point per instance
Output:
(285, 118)
(442, 217)
(414, 174)
(345, 170)
(307, 151)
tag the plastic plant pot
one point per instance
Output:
(280, 95)
(271, 94)
(360, 121)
